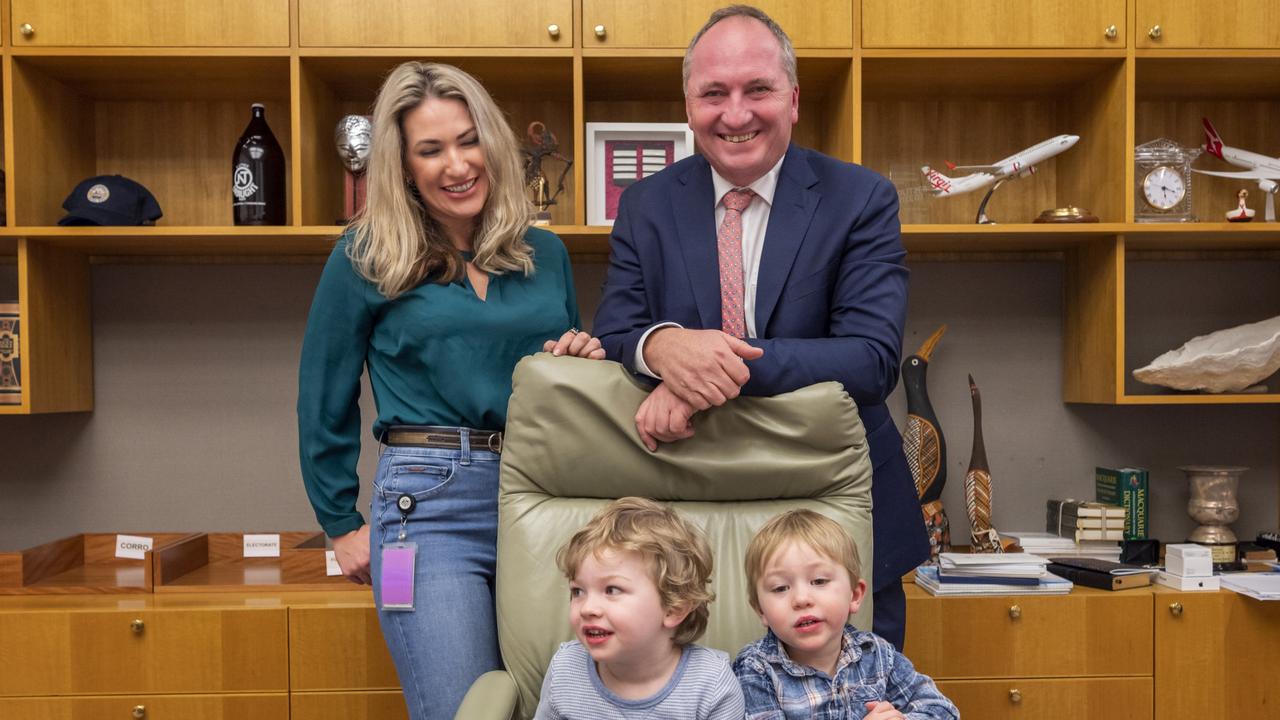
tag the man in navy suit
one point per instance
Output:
(759, 267)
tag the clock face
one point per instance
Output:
(1163, 188)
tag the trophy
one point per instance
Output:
(352, 138)
(1215, 506)
(543, 145)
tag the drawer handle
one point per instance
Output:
(1155, 32)
(1015, 612)
(1176, 609)
(1111, 32)
(139, 711)
(137, 626)
(553, 30)
(1015, 696)
(26, 30)
(600, 33)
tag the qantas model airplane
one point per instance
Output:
(1019, 164)
(1266, 170)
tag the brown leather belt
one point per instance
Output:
(441, 437)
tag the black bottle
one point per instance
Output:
(257, 175)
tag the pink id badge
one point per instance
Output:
(397, 575)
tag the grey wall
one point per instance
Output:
(195, 375)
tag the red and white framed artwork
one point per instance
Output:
(620, 154)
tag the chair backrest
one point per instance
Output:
(571, 447)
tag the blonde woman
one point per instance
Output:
(439, 287)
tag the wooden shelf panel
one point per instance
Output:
(1206, 399)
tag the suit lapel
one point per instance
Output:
(693, 202)
(794, 201)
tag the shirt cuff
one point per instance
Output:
(641, 367)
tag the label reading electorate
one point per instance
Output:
(267, 545)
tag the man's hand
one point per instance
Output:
(663, 417)
(701, 367)
(882, 710)
(352, 553)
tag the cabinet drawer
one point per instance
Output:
(151, 23)
(992, 23)
(435, 23)
(1085, 633)
(1199, 24)
(672, 23)
(338, 649)
(178, 651)
(149, 707)
(375, 705)
(1113, 698)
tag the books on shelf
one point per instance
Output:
(927, 579)
(1126, 487)
(1259, 586)
(1081, 520)
(1047, 544)
(1101, 574)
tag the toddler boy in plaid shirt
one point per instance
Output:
(803, 581)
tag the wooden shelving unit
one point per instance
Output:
(892, 84)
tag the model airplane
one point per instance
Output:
(1266, 170)
(1019, 164)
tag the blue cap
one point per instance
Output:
(110, 200)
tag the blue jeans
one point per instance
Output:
(450, 637)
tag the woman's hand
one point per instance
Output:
(352, 553)
(576, 343)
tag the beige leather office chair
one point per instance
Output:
(571, 446)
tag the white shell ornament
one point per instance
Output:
(1228, 360)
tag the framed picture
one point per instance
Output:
(619, 154)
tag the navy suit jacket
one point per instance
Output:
(831, 301)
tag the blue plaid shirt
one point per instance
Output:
(869, 669)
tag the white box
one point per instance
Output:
(1188, 560)
(1188, 584)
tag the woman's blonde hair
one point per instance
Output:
(824, 536)
(397, 244)
(674, 549)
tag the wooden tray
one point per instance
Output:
(215, 562)
(81, 564)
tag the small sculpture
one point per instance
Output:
(544, 145)
(925, 447)
(1228, 360)
(977, 486)
(353, 138)
(1261, 168)
(1242, 213)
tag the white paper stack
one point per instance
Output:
(1259, 586)
(992, 565)
(1048, 545)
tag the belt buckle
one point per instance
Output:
(492, 446)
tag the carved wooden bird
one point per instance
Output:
(925, 446)
(977, 486)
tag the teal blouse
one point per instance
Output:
(436, 355)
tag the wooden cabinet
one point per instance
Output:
(1122, 698)
(993, 24)
(427, 23)
(1198, 24)
(338, 648)
(150, 23)
(150, 707)
(372, 705)
(149, 651)
(1079, 655)
(672, 23)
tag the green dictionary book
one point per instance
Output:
(1126, 487)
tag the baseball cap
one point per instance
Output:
(110, 200)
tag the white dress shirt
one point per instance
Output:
(755, 220)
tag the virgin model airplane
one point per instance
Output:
(1019, 164)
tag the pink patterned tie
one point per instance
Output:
(733, 318)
